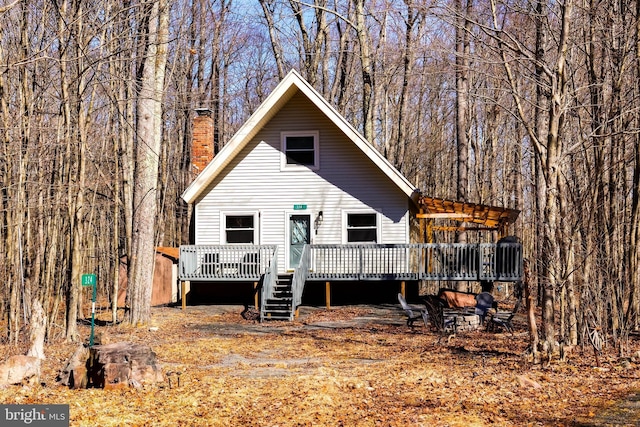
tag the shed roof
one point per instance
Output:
(290, 85)
(169, 251)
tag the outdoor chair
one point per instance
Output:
(484, 303)
(413, 313)
(250, 264)
(501, 319)
(211, 264)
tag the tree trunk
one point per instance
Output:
(267, 9)
(367, 71)
(531, 314)
(462, 101)
(634, 238)
(412, 18)
(148, 145)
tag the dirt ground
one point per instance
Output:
(348, 366)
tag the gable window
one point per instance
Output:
(300, 149)
(240, 228)
(362, 227)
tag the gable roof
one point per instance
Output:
(290, 85)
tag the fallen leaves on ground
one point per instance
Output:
(326, 369)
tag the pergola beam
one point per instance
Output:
(444, 215)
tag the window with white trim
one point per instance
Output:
(300, 149)
(239, 228)
(362, 227)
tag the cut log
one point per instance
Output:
(455, 299)
(122, 365)
(20, 369)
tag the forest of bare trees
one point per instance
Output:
(530, 104)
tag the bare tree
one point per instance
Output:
(462, 30)
(268, 9)
(148, 145)
(550, 150)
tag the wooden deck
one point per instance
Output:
(434, 262)
(392, 262)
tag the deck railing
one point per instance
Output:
(432, 261)
(269, 281)
(226, 262)
(300, 275)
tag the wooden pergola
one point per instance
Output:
(483, 217)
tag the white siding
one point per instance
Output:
(347, 181)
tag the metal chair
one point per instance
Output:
(501, 319)
(413, 313)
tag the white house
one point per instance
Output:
(298, 191)
(297, 172)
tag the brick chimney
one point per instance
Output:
(202, 140)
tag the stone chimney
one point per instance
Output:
(202, 140)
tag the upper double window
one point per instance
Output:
(300, 149)
(240, 228)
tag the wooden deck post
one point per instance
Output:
(255, 295)
(327, 294)
(403, 289)
(183, 292)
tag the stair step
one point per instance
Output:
(279, 301)
(279, 306)
(285, 310)
(278, 312)
(277, 318)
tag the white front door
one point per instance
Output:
(299, 235)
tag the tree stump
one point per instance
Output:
(122, 364)
(38, 329)
(21, 369)
(74, 373)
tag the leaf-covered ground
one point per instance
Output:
(348, 366)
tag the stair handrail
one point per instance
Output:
(299, 278)
(269, 282)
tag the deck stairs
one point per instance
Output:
(280, 305)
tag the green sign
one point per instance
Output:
(88, 280)
(299, 207)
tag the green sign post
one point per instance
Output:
(90, 280)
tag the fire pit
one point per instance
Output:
(464, 319)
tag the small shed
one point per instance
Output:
(165, 278)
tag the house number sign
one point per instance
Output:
(299, 207)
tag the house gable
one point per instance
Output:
(291, 85)
(347, 181)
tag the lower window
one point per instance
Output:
(362, 227)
